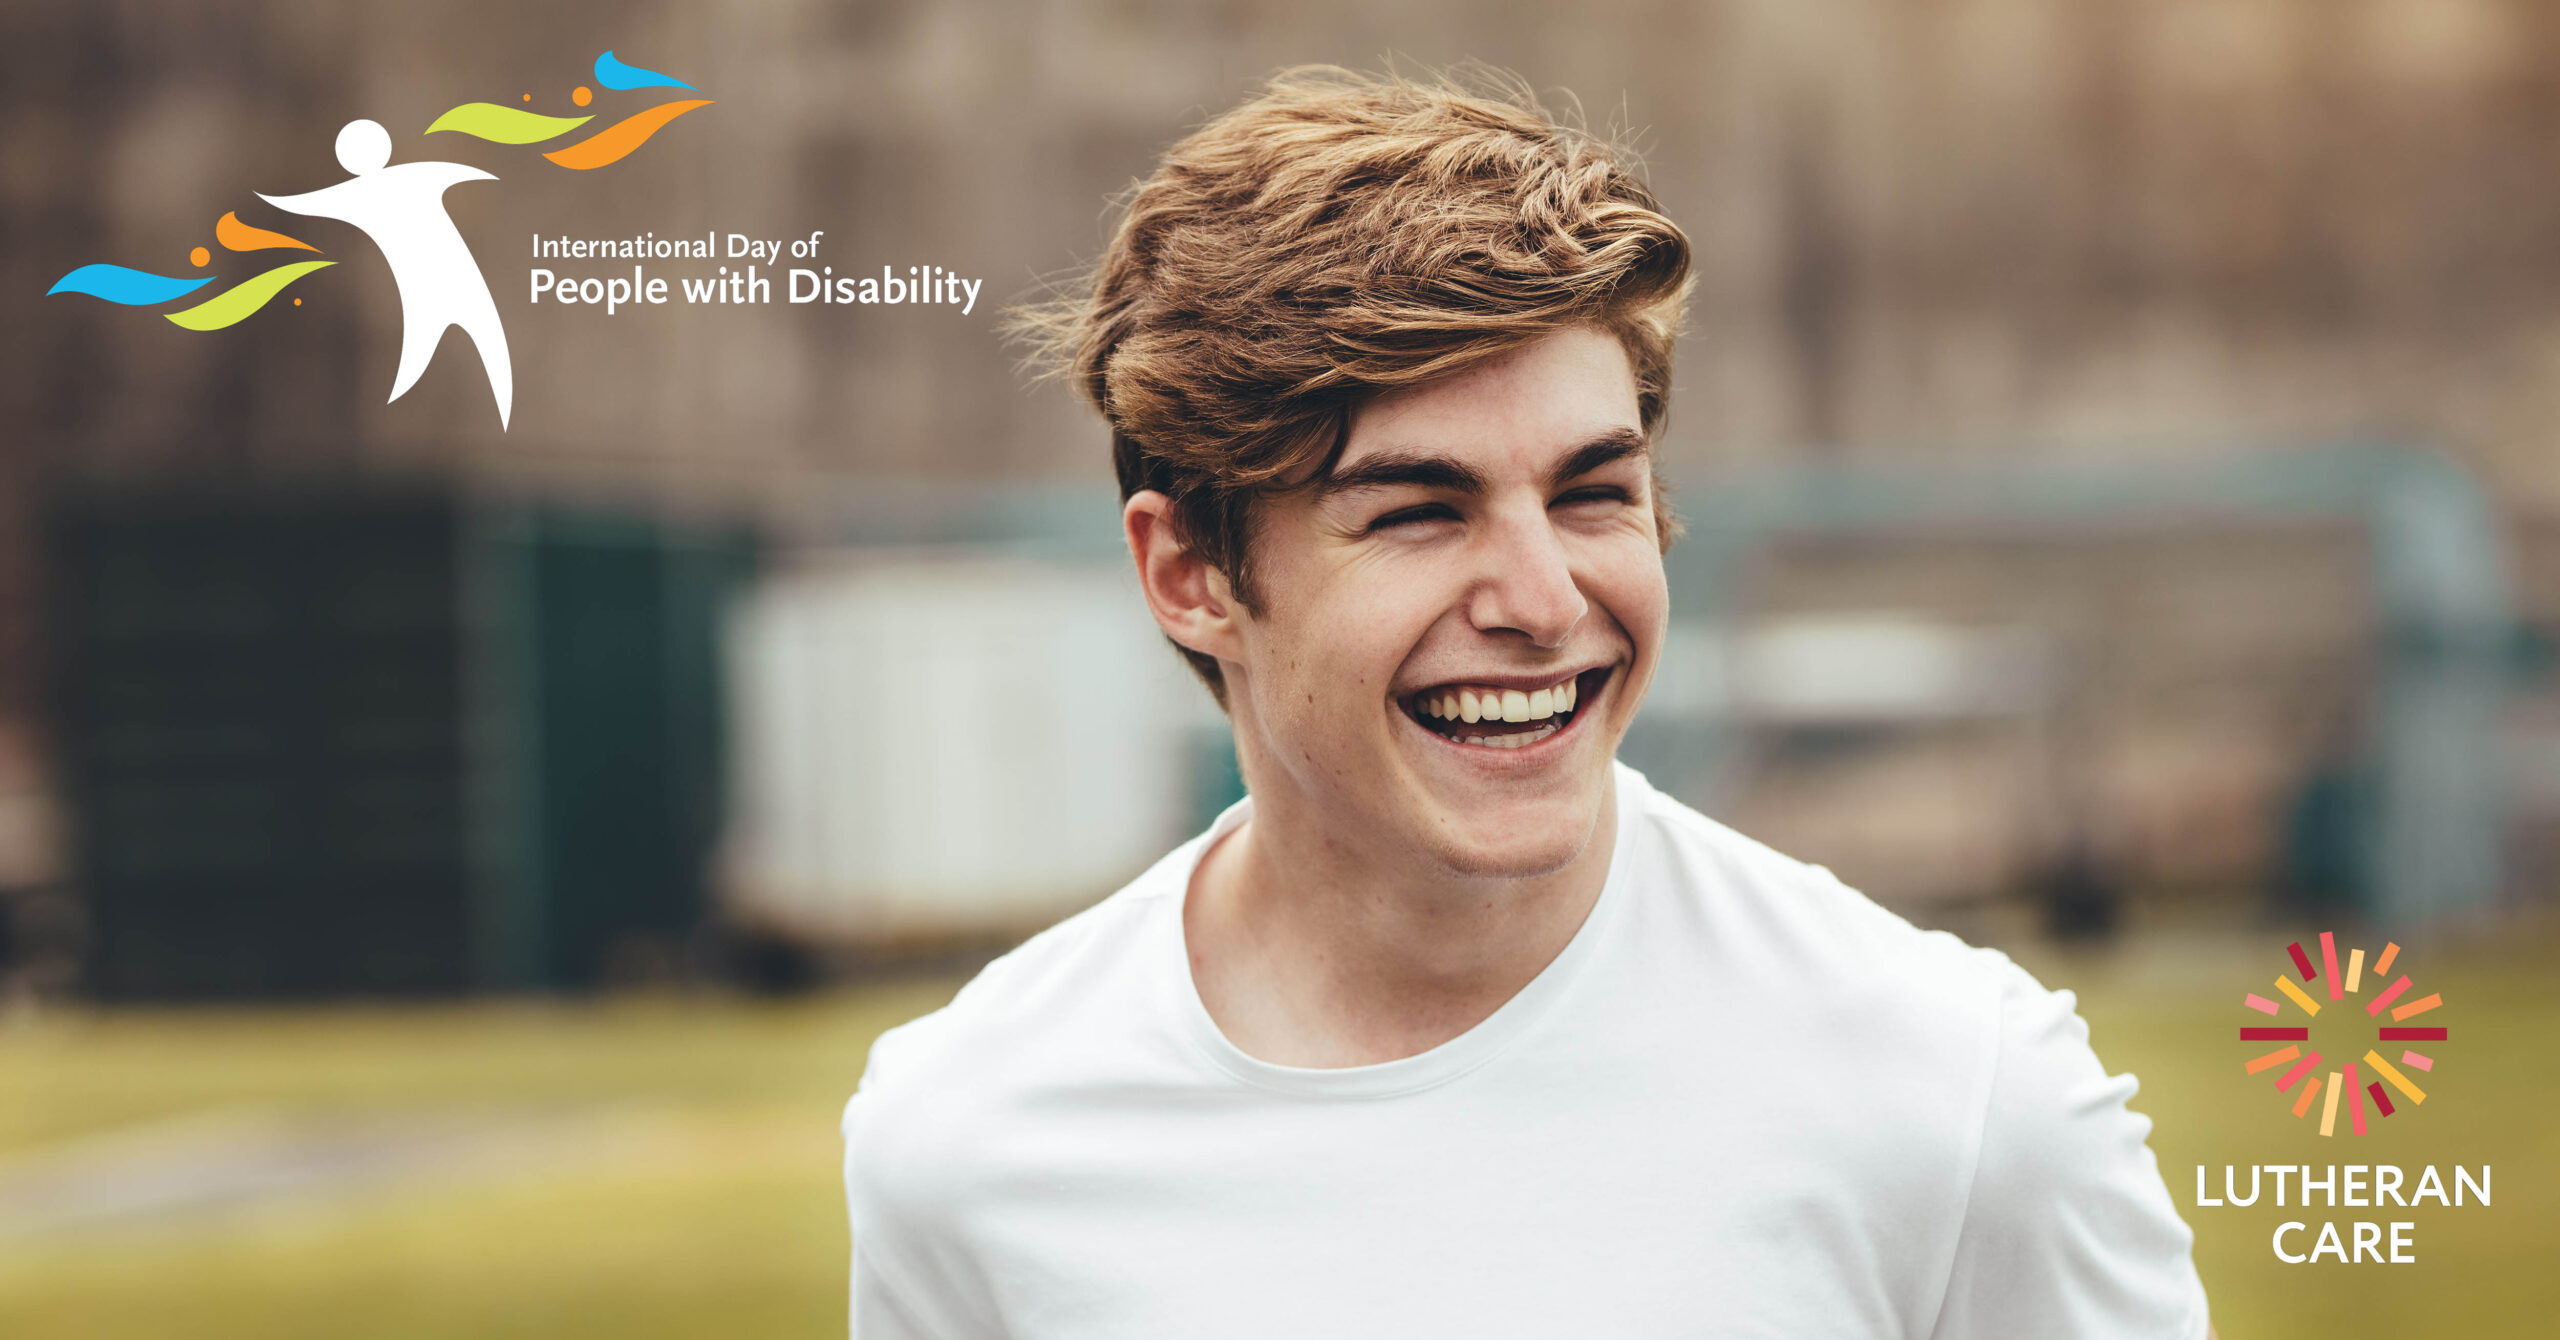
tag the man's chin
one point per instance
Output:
(1516, 841)
(1536, 862)
(1520, 827)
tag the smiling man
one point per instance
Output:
(1456, 1027)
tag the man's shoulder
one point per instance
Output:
(1030, 1003)
(1995, 1053)
(1793, 915)
(1061, 1013)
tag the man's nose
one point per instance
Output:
(1527, 584)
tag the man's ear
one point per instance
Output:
(1191, 600)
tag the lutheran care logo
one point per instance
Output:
(2352, 1081)
(401, 207)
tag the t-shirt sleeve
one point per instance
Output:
(873, 1311)
(876, 1312)
(2068, 1229)
(879, 1307)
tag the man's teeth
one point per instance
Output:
(1520, 740)
(1503, 705)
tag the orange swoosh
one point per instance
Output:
(610, 144)
(238, 236)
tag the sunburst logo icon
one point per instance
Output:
(2360, 1081)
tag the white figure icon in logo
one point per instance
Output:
(402, 209)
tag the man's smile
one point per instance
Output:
(1504, 712)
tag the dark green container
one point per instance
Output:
(338, 741)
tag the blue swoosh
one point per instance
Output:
(133, 288)
(612, 73)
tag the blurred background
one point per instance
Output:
(449, 878)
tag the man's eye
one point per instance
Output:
(1410, 515)
(1598, 493)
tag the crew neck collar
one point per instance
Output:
(1404, 1075)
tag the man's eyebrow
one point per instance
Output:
(1615, 445)
(1414, 469)
(1390, 469)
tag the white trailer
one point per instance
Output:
(938, 744)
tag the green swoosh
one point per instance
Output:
(505, 125)
(237, 302)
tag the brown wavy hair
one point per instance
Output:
(1337, 235)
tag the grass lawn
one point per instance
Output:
(668, 1167)
(695, 1193)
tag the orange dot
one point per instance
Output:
(582, 95)
(528, 97)
(297, 302)
(200, 256)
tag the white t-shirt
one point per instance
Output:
(1744, 1101)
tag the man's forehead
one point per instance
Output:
(1525, 406)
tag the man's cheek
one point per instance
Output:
(1634, 593)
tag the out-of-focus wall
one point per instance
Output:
(2001, 223)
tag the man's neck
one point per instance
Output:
(1309, 951)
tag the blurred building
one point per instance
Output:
(1970, 233)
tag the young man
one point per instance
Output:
(1456, 1027)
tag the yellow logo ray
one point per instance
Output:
(505, 125)
(234, 304)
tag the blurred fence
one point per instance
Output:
(2420, 684)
